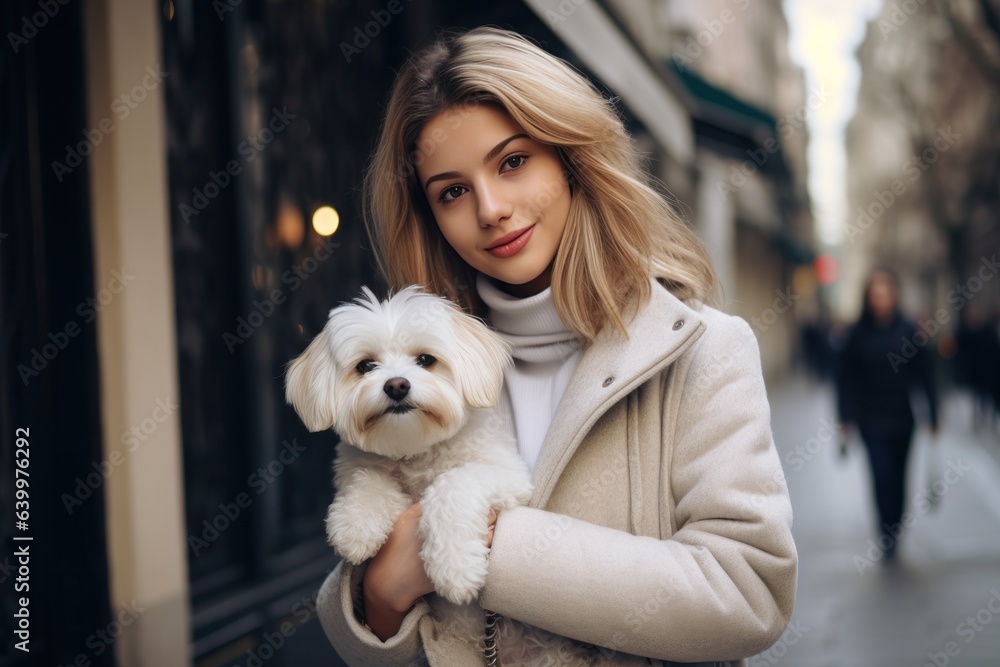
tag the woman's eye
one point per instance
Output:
(515, 161)
(451, 194)
(425, 360)
(365, 366)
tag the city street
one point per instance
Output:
(939, 604)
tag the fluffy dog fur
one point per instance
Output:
(407, 384)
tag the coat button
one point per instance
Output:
(608, 381)
(678, 324)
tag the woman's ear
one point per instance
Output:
(309, 384)
(482, 356)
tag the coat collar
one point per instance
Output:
(609, 369)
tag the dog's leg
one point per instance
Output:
(453, 525)
(363, 512)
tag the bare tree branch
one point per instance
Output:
(970, 42)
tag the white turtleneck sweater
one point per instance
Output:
(545, 352)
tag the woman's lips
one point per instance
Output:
(511, 247)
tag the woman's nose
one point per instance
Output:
(494, 206)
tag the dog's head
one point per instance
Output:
(396, 377)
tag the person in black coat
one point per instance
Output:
(883, 359)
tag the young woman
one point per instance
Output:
(660, 526)
(875, 377)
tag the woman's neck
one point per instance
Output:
(537, 285)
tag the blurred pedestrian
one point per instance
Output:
(817, 350)
(883, 359)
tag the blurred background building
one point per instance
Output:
(746, 187)
(180, 191)
(924, 150)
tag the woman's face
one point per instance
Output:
(500, 198)
(882, 296)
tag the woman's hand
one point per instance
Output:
(491, 524)
(395, 578)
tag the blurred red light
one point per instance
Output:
(826, 269)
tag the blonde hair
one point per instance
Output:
(619, 230)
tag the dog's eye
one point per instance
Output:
(365, 366)
(425, 360)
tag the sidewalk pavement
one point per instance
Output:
(939, 604)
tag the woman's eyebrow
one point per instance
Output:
(499, 147)
(489, 156)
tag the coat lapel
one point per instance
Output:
(609, 369)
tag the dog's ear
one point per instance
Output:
(482, 358)
(309, 384)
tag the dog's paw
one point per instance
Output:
(518, 493)
(457, 570)
(356, 538)
(455, 554)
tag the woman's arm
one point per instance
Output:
(386, 592)
(723, 585)
(925, 373)
(845, 377)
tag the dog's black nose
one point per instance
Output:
(397, 388)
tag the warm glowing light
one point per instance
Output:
(291, 226)
(326, 220)
(804, 281)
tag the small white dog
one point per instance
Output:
(406, 383)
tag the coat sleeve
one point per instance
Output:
(926, 380)
(355, 643)
(722, 587)
(846, 377)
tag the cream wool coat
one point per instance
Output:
(660, 523)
